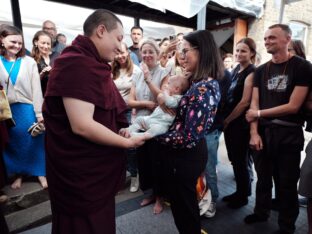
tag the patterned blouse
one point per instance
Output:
(195, 115)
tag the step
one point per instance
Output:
(29, 206)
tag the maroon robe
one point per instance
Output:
(83, 176)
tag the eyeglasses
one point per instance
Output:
(185, 50)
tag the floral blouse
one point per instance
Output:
(195, 115)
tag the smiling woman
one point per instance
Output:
(19, 75)
(43, 55)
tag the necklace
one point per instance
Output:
(268, 72)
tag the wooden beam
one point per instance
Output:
(240, 30)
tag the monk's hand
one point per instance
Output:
(136, 141)
(255, 142)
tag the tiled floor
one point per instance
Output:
(132, 219)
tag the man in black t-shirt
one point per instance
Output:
(276, 134)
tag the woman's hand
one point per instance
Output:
(45, 71)
(251, 115)
(225, 123)
(40, 119)
(255, 142)
(145, 71)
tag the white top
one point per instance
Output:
(124, 81)
(27, 88)
(142, 91)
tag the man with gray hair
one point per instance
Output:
(276, 135)
(49, 27)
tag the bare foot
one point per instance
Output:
(3, 198)
(17, 183)
(147, 201)
(43, 181)
(158, 207)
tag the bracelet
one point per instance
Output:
(258, 114)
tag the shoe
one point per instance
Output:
(134, 185)
(229, 198)
(254, 218)
(238, 203)
(205, 203)
(211, 212)
(303, 202)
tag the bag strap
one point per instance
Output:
(8, 80)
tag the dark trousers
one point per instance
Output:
(236, 137)
(183, 167)
(281, 158)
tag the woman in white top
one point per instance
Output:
(124, 72)
(19, 75)
(142, 97)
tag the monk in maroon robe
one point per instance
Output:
(83, 112)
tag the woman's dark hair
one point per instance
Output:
(35, 53)
(98, 17)
(251, 45)
(298, 47)
(209, 63)
(116, 65)
(8, 30)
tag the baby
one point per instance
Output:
(159, 121)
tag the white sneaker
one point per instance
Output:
(205, 203)
(134, 186)
(211, 210)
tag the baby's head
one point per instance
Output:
(177, 84)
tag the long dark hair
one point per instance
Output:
(116, 65)
(209, 62)
(251, 45)
(298, 47)
(35, 53)
(8, 30)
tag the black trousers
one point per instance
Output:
(281, 158)
(182, 168)
(236, 137)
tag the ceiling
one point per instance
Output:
(214, 12)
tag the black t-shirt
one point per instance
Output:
(276, 83)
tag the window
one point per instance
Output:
(299, 31)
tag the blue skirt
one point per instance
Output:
(24, 154)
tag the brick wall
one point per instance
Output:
(297, 11)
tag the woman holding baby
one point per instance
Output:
(183, 150)
(142, 98)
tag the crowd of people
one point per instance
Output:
(82, 114)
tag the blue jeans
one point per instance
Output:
(212, 140)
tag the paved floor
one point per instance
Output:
(132, 219)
